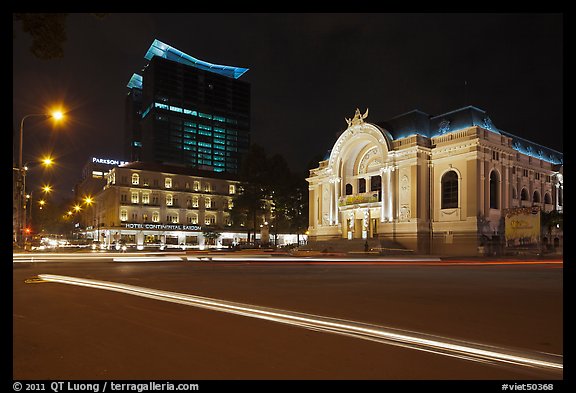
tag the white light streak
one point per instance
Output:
(424, 342)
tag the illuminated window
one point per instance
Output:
(169, 200)
(196, 185)
(168, 182)
(155, 216)
(145, 198)
(449, 190)
(134, 197)
(231, 189)
(97, 174)
(210, 220)
(193, 219)
(208, 203)
(135, 179)
(195, 201)
(230, 203)
(123, 215)
(207, 187)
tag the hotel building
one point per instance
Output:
(154, 205)
(433, 184)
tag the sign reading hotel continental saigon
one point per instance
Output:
(164, 227)
(522, 224)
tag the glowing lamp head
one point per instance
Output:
(57, 115)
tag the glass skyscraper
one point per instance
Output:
(187, 112)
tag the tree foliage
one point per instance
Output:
(269, 189)
(48, 32)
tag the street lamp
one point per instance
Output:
(46, 189)
(56, 115)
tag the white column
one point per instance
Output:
(331, 207)
(384, 193)
(390, 193)
(336, 199)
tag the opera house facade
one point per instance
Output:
(432, 184)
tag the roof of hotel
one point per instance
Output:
(178, 170)
(158, 48)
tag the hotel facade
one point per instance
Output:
(148, 205)
(432, 184)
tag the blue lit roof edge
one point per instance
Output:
(159, 48)
(135, 82)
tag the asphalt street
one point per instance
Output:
(63, 331)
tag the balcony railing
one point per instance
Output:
(354, 199)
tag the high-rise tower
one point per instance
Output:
(187, 112)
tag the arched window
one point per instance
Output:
(135, 179)
(547, 199)
(524, 195)
(449, 189)
(349, 189)
(494, 190)
(536, 197)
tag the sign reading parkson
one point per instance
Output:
(164, 227)
(108, 161)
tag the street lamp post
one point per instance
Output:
(21, 190)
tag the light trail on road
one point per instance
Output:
(424, 342)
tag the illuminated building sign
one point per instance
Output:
(164, 227)
(108, 161)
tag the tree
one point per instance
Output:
(48, 32)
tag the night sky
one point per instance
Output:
(308, 72)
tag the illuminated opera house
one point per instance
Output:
(432, 184)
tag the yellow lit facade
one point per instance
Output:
(435, 185)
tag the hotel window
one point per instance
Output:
(168, 182)
(449, 189)
(230, 203)
(207, 203)
(196, 185)
(155, 216)
(134, 217)
(134, 197)
(123, 215)
(169, 200)
(145, 182)
(144, 217)
(145, 198)
(187, 185)
(231, 189)
(207, 187)
(194, 201)
(172, 218)
(210, 220)
(135, 179)
(123, 198)
(193, 219)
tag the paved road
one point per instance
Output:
(66, 331)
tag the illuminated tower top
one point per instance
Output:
(158, 48)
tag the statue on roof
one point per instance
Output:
(357, 119)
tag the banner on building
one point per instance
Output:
(522, 225)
